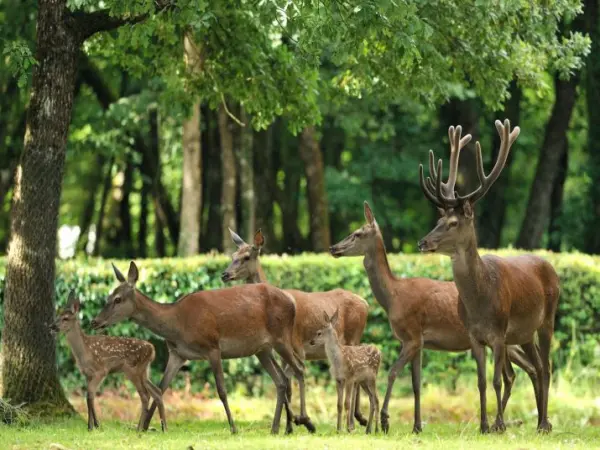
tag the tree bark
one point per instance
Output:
(317, 195)
(556, 202)
(124, 233)
(103, 201)
(247, 178)
(211, 237)
(29, 358)
(537, 215)
(191, 196)
(493, 210)
(264, 183)
(228, 181)
(592, 234)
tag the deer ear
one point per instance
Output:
(259, 239)
(236, 239)
(133, 274)
(335, 317)
(118, 274)
(73, 302)
(326, 317)
(441, 212)
(369, 217)
(468, 209)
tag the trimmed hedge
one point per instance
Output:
(577, 330)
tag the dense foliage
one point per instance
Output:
(576, 339)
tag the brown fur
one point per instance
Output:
(213, 325)
(422, 313)
(97, 356)
(310, 306)
(351, 366)
(503, 300)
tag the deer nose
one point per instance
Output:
(422, 244)
(225, 276)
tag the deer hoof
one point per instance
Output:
(545, 427)
(417, 429)
(498, 427)
(163, 426)
(304, 420)
(484, 428)
(385, 425)
(361, 420)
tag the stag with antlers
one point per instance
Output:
(502, 300)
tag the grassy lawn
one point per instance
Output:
(196, 420)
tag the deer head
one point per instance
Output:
(361, 240)
(455, 229)
(67, 317)
(244, 262)
(327, 333)
(120, 304)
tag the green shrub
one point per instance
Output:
(576, 339)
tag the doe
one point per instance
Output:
(351, 366)
(97, 356)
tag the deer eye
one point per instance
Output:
(246, 258)
(452, 224)
(118, 300)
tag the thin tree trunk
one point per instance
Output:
(264, 184)
(466, 114)
(191, 197)
(142, 247)
(493, 210)
(247, 178)
(211, 237)
(537, 215)
(29, 372)
(556, 202)
(592, 234)
(124, 233)
(317, 195)
(228, 181)
(103, 201)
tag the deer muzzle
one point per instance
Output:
(226, 276)
(426, 246)
(335, 251)
(96, 325)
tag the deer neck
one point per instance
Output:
(258, 276)
(155, 316)
(379, 272)
(333, 350)
(469, 274)
(79, 348)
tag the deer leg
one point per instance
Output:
(217, 367)
(140, 386)
(545, 340)
(157, 397)
(340, 403)
(348, 405)
(173, 365)
(370, 392)
(416, 385)
(92, 387)
(478, 351)
(290, 417)
(407, 353)
(267, 362)
(297, 367)
(532, 364)
(357, 414)
(285, 372)
(499, 350)
(376, 398)
(508, 376)
(355, 390)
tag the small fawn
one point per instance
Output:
(97, 356)
(350, 365)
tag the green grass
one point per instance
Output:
(198, 420)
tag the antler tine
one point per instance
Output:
(507, 138)
(456, 145)
(429, 194)
(432, 172)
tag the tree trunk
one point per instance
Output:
(211, 238)
(556, 203)
(317, 195)
(264, 183)
(592, 234)
(101, 213)
(247, 178)
(191, 196)
(464, 113)
(228, 181)
(493, 210)
(142, 247)
(124, 234)
(537, 215)
(29, 350)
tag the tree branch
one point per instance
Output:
(90, 23)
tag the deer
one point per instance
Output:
(97, 356)
(228, 323)
(422, 313)
(246, 266)
(503, 301)
(351, 366)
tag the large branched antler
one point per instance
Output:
(437, 192)
(443, 194)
